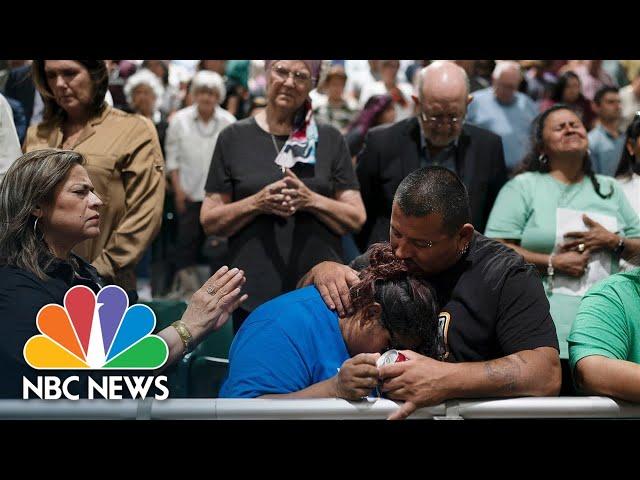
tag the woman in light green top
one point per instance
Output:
(557, 174)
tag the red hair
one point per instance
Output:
(408, 302)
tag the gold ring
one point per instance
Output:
(581, 247)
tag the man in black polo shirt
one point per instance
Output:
(496, 334)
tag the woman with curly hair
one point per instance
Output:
(296, 347)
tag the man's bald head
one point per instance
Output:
(443, 96)
(443, 80)
(506, 78)
(507, 69)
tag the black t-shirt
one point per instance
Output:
(492, 304)
(275, 252)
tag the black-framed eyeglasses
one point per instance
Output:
(440, 120)
(283, 73)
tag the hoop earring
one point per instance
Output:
(35, 230)
(543, 159)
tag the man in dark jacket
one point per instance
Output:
(436, 136)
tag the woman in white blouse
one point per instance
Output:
(191, 139)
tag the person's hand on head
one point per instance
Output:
(357, 376)
(333, 281)
(210, 306)
(418, 381)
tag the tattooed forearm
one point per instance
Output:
(528, 372)
(504, 374)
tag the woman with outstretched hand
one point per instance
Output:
(48, 205)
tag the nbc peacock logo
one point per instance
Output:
(96, 332)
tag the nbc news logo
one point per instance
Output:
(95, 333)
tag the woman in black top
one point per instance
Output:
(281, 188)
(47, 207)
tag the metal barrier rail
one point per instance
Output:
(315, 409)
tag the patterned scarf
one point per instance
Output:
(301, 144)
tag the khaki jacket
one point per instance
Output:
(125, 165)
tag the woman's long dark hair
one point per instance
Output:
(409, 306)
(533, 162)
(30, 181)
(628, 161)
(558, 89)
(99, 78)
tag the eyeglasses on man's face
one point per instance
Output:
(440, 120)
(299, 77)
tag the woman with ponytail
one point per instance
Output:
(294, 346)
(555, 174)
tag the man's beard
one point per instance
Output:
(442, 141)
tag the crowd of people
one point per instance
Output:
(480, 216)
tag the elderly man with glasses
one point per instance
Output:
(437, 135)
